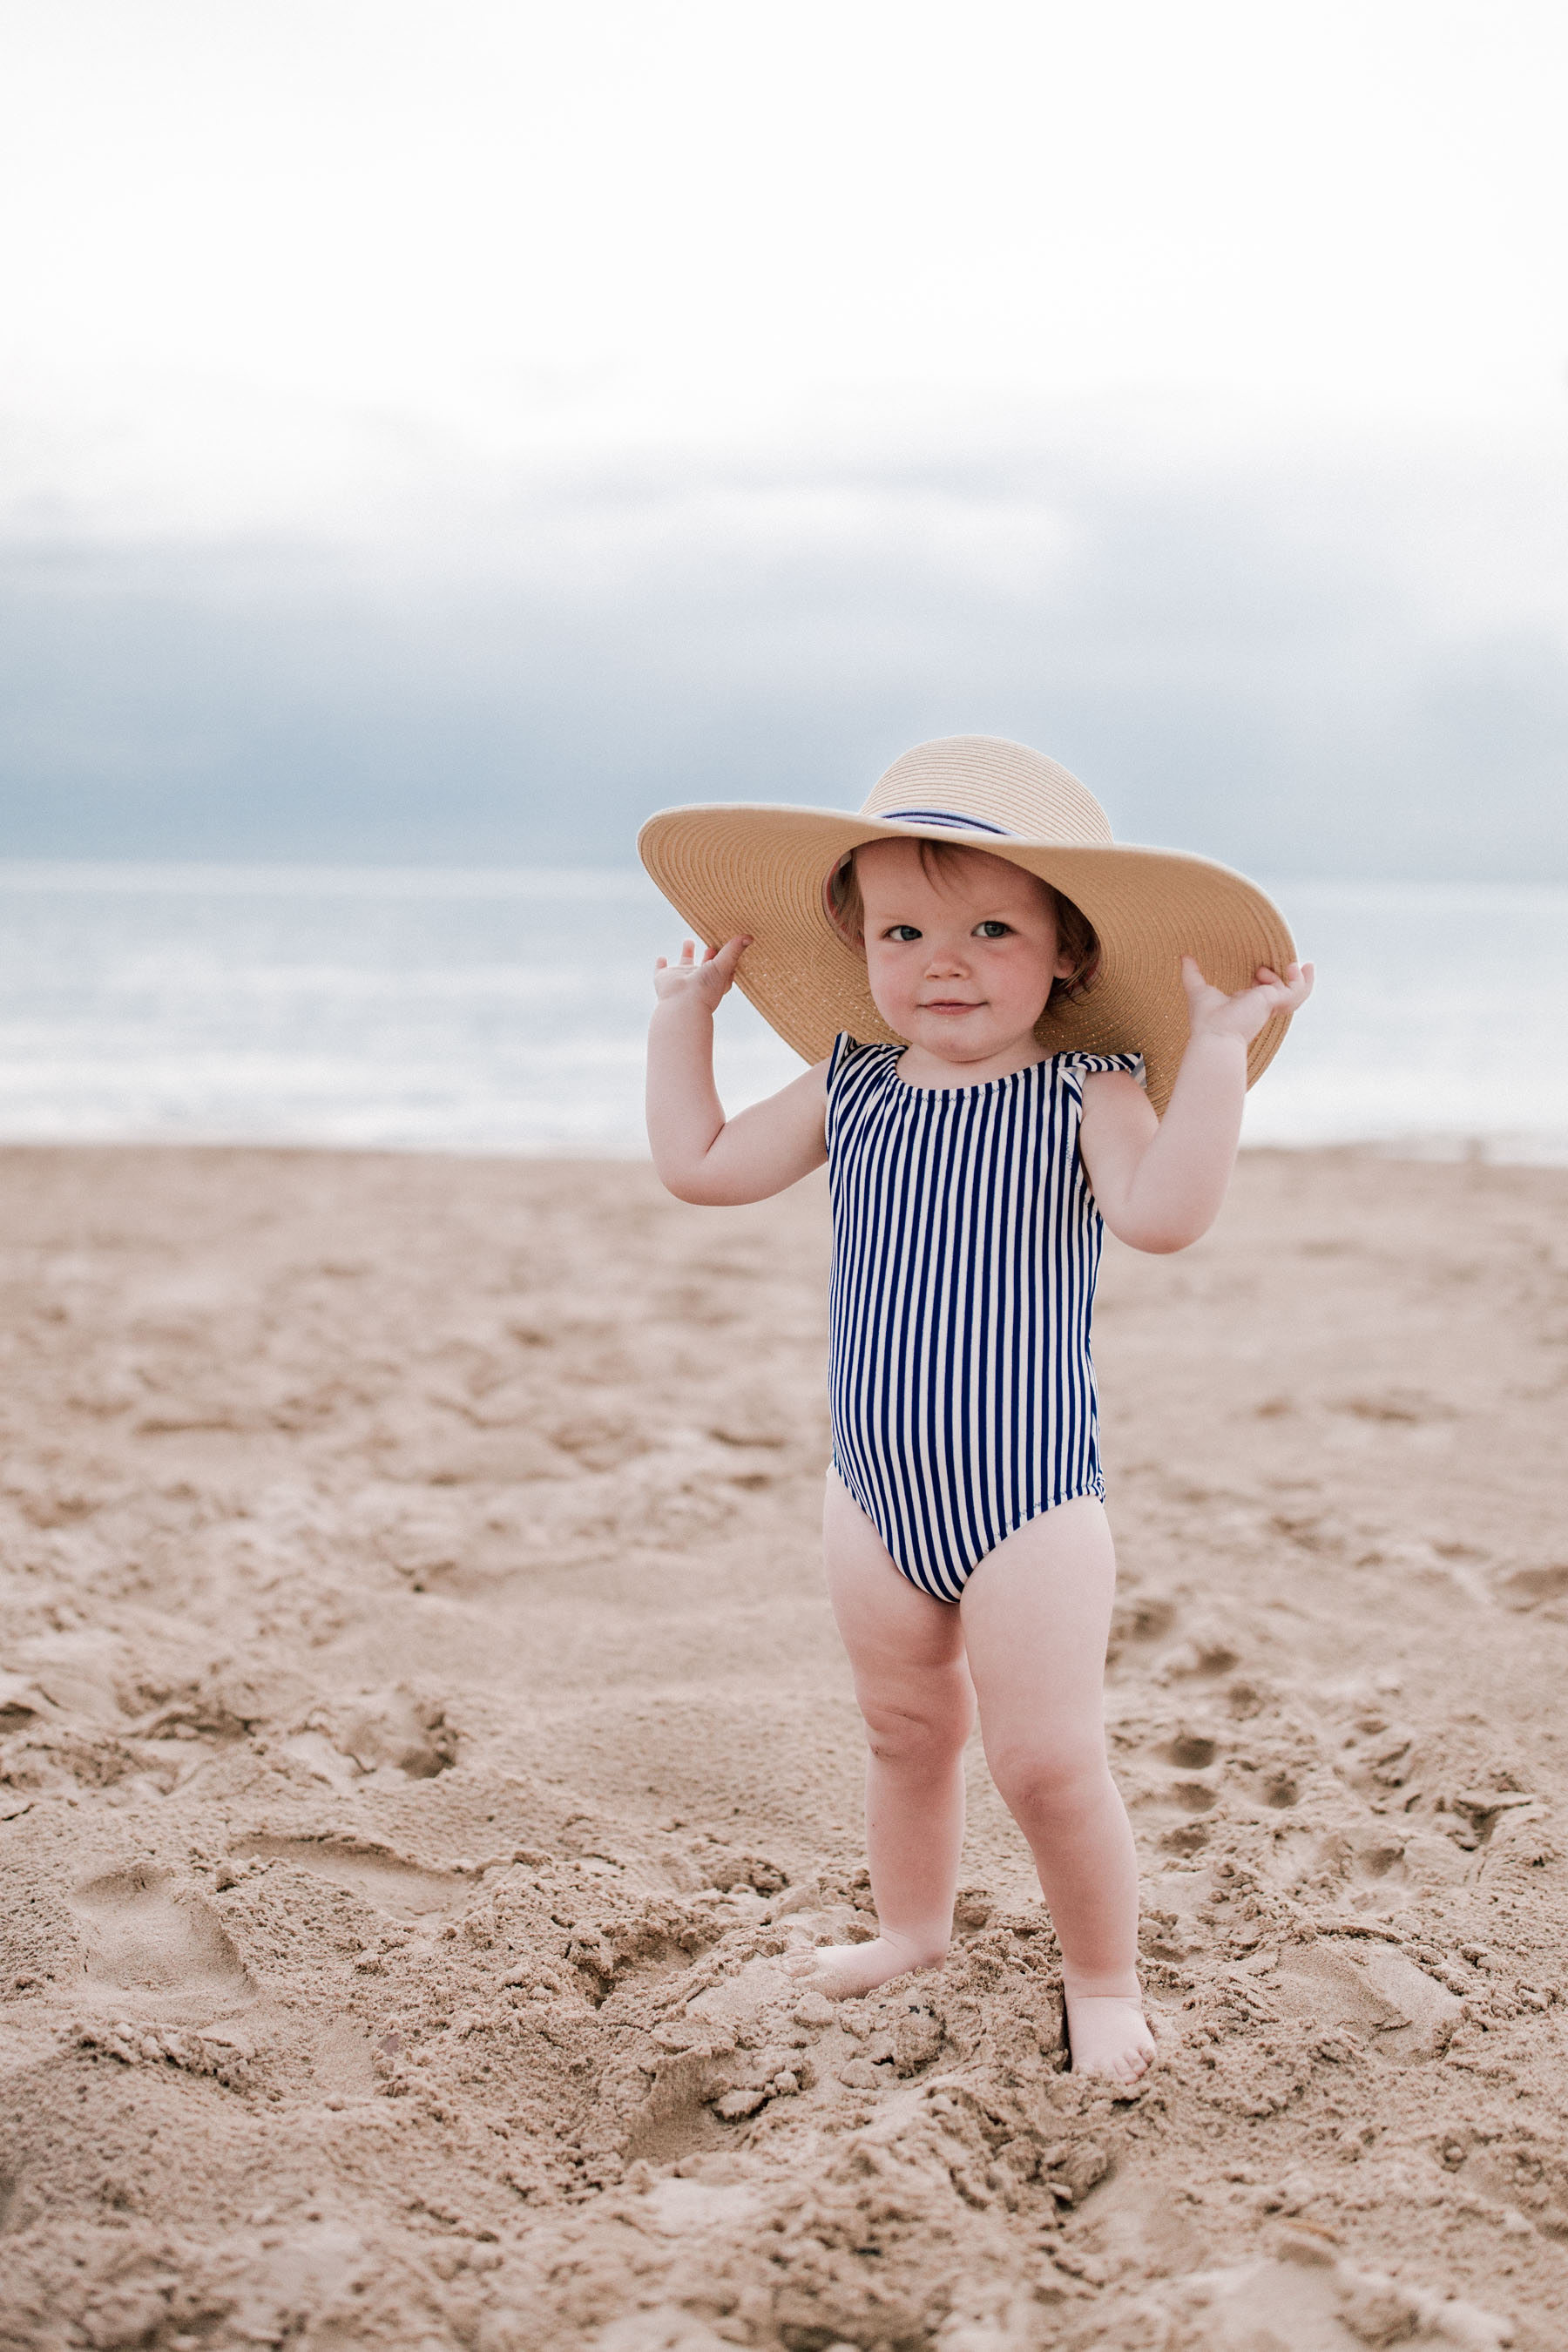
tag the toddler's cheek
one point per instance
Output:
(890, 998)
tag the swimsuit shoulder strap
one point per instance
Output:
(844, 1045)
(853, 1069)
(1076, 1067)
(849, 1053)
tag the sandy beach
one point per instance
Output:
(422, 1732)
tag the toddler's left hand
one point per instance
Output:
(1212, 1013)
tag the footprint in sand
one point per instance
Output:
(157, 1944)
(1304, 2295)
(1400, 2010)
(1531, 1588)
(1179, 1792)
(399, 1888)
(388, 1736)
(1140, 1619)
(1188, 1752)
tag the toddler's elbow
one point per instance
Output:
(702, 1187)
(1160, 1237)
(684, 1184)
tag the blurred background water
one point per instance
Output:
(504, 1011)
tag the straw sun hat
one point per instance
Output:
(729, 868)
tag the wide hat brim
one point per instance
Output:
(730, 867)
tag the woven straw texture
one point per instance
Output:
(745, 867)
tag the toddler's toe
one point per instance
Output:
(1108, 2034)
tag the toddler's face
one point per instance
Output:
(961, 961)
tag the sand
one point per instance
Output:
(421, 1732)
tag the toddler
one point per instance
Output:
(1020, 1032)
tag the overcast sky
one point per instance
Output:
(451, 431)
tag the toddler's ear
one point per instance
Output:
(841, 904)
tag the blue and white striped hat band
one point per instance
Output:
(944, 817)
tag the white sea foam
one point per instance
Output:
(504, 1010)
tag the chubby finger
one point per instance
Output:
(1296, 981)
(730, 954)
(661, 963)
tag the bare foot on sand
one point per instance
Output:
(841, 1971)
(1108, 2034)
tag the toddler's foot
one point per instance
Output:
(1108, 2034)
(841, 1971)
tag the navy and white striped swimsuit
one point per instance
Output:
(965, 1247)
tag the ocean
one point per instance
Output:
(503, 1011)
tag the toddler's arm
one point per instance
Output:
(700, 1154)
(1160, 1182)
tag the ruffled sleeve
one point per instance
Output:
(844, 1048)
(1076, 1067)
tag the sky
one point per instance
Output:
(448, 433)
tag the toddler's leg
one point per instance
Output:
(913, 1686)
(1037, 1612)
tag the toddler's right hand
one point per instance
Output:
(708, 982)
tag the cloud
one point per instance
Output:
(1317, 662)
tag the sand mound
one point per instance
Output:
(422, 1737)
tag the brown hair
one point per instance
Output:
(1075, 933)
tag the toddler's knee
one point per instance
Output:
(1050, 1779)
(933, 1735)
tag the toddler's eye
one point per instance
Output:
(992, 929)
(902, 932)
